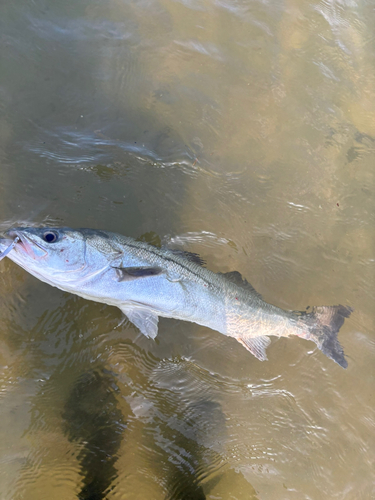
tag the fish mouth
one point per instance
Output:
(27, 245)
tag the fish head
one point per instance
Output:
(51, 254)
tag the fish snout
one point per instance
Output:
(12, 233)
(15, 235)
(25, 246)
(18, 236)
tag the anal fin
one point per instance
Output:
(256, 345)
(145, 320)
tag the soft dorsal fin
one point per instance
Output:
(191, 256)
(235, 277)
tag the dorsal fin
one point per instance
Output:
(235, 277)
(193, 257)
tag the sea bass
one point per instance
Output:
(146, 282)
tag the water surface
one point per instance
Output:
(241, 130)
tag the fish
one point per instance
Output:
(147, 282)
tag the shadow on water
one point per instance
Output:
(92, 418)
(187, 474)
(192, 468)
(189, 468)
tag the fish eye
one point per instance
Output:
(50, 236)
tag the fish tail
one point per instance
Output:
(323, 324)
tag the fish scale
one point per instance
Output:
(147, 282)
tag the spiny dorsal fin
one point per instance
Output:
(193, 257)
(235, 277)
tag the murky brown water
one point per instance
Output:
(242, 130)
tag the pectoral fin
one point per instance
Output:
(132, 273)
(145, 320)
(256, 345)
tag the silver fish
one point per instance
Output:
(146, 282)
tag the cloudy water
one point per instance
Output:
(240, 130)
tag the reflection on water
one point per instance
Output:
(243, 131)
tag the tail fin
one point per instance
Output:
(323, 324)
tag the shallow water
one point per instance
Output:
(241, 130)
